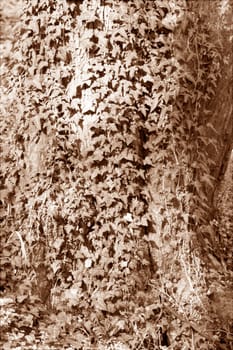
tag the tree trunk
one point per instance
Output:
(126, 130)
(168, 119)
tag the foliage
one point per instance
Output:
(104, 184)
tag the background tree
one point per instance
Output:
(114, 150)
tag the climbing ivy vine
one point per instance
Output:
(105, 186)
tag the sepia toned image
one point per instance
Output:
(116, 175)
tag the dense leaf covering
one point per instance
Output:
(106, 176)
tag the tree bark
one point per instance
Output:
(133, 136)
(173, 181)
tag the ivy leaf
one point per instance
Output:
(99, 301)
(72, 294)
(96, 24)
(128, 217)
(41, 65)
(88, 263)
(154, 102)
(33, 25)
(84, 251)
(36, 82)
(131, 55)
(56, 265)
(57, 243)
(143, 221)
(119, 34)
